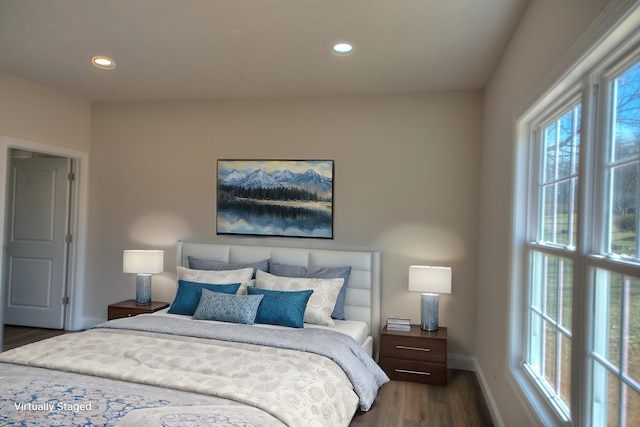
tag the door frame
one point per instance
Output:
(77, 226)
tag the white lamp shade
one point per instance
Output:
(430, 279)
(143, 261)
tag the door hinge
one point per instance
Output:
(71, 176)
(596, 87)
(68, 238)
(65, 300)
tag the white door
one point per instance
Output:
(36, 242)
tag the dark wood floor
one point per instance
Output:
(399, 404)
(15, 336)
(403, 404)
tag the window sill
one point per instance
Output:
(538, 403)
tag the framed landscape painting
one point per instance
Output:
(289, 198)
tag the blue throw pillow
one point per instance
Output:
(280, 307)
(209, 264)
(188, 295)
(317, 273)
(227, 308)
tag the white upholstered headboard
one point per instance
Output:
(362, 301)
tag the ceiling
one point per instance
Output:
(209, 49)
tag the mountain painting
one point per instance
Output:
(290, 198)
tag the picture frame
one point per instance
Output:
(277, 198)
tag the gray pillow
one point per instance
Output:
(227, 307)
(285, 270)
(209, 264)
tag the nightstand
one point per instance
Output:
(129, 308)
(416, 356)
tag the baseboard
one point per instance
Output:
(493, 407)
(461, 362)
(469, 363)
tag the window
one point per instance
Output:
(616, 351)
(554, 229)
(616, 304)
(623, 152)
(576, 345)
(561, 147)
(549, 356)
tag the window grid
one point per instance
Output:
(616, 392)
(549, 352)
(550, 338)
(613, 383)
(623, 162)
(586, 218)
(559, 181)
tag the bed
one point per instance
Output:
(262, 351)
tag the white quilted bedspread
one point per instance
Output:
(299, 388)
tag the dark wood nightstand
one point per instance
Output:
(129, 308)
(416, 356)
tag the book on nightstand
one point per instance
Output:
(399, 324)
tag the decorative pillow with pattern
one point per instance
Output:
(227, 307)
(286, 270)
(321, 302)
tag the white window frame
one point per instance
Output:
(554, 412)
(611, 38)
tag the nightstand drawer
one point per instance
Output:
(129, 308)
(408, 348)
(117, 313)
(408, 370)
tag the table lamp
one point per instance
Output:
(144, 263)
(431, 281)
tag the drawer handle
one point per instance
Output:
(404, 347)
(407, 371)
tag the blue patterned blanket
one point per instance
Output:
(36, 397)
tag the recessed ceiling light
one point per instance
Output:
(342, 48)
(103, 62)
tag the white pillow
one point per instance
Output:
(322, 300)
(242, 290)
(222, 277)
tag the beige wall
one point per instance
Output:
(406, 183)
(546, 31)
(40, 114)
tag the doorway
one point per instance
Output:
(37, 238)
(74, 318)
